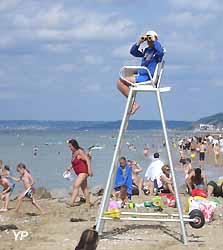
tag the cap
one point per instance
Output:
(151, 33)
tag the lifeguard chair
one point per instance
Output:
(152, 85)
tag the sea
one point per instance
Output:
(46, 153)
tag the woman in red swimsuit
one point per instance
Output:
(82, 167)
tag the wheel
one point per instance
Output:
(199, 219)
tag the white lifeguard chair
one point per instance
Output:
(152, 85)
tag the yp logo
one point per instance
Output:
(20, 235)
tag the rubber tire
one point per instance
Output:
(196, 213)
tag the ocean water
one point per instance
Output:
(54, 156)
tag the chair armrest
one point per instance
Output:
(131, 70)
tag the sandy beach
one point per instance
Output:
(56, 231)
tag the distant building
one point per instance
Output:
(207, 127)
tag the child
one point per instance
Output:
(5, 194)
(28, 183)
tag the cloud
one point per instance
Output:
(67, 68)
(198, 5)
(57, 23)
(57, 48)
(93, 59)
(121, 52)
(6, 5)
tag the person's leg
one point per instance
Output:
(123, 87)
(35, 204)
(151, 187)
(123, 194)
(210, 190)
(170, 188)
(85, 191)
(19, 202)
(79, 180)
(6, 201)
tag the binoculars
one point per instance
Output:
(148, 38)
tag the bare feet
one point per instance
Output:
(135, 107)
(3, 210)
(75, 204)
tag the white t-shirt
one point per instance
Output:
(154, 171)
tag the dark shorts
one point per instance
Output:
(202, 156)
(217, 189)
(29, 193)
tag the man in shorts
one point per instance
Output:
(151, 56)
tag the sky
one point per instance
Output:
(60, 59)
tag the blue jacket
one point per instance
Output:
(121, 180)
(150, 56)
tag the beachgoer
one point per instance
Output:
(1, 167)
(166, 179)
(5, 193)
(196, 179)
(187, 167)
(81, 165)
(151, 55)
(136, 179)
(217, 151)
(28, 183)
(88, 241)
(123, 181)
(6, 173)
(202, 149)
(153, 174)
(146, 150)
(215, 189)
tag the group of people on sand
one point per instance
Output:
(128, 182)
(200, 146)
(195, 178)
(7, 181)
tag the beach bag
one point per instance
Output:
(199, 192)
(169, 200)
(207, 209)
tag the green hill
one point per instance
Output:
(216, 120)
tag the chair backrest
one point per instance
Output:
(158, 73)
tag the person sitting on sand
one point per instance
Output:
(196, 179)
(215, 189)
(88, 241)
(28, 182)
(136, 179)
(123, 181)
(152, 175)
(5, 193)
(81, 165)
(166, 180)
(151, 55)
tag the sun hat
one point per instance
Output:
(152, 33)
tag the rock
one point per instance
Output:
(42, 193)
(77, 220)
(97, 190)
(8, 227)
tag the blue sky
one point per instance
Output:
(60, 58)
